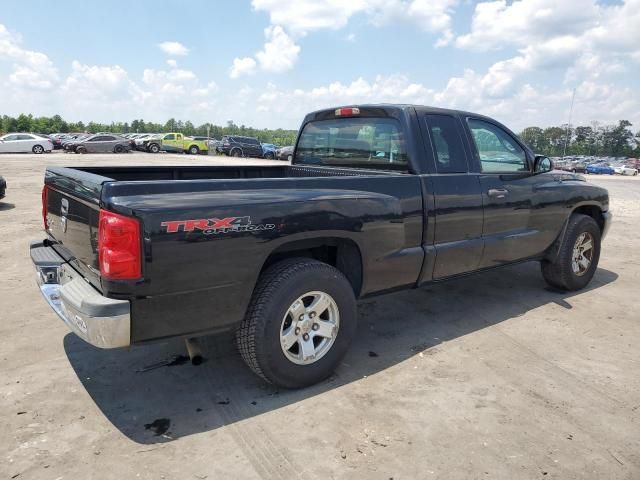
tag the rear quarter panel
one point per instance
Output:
(197, 280)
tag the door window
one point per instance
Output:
(170, 136)
(10, 138)
(447, 144)
(498, 151)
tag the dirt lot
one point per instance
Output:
(493, 376)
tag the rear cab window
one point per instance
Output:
(358, 142)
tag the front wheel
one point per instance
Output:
(578, 255)
(299, 324)
(81, 150)
(154, 148)
(37, 149)
(269, 156)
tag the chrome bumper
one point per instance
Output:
(98, 320)
(608, 217)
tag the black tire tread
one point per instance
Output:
(267, 284)
(558, 274)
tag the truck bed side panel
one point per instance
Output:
(199, 280)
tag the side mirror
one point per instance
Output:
(542, 164)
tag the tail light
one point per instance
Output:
(45, 194)
(347, 112)
(119, 250)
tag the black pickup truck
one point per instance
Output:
(377, 198)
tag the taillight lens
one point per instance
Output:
(45, 193)
(119, 249)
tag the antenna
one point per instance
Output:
(566, 140)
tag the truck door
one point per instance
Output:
(169, 142)
(455, 187)
(507, 191)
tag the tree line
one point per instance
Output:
(594, 140)
(56, 124)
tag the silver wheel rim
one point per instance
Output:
(309, 328)
(38, 149)
(582, 254)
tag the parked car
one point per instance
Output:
(102, 144)
(239, 146)
(600, 169)
(24, 143)
(285, 153)
(378, 198)
(269, 150)
(3, 187)
(142, 144)
(625, 170)
(177, 142)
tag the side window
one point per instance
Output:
(170, 136)
(498, 151)
(447, 144)
(11, 138)
(97, 139)
(108, 139)
(25, 137)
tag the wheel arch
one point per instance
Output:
(341, 253)
(590, 210)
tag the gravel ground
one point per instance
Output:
(491, 376)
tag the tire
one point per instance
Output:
(118, 149)
(37, 149)
(561, 273)
(278, 290)
(82, 150)
(269, 156)
(289, 158)
(193, 150)
(154, 148)
(235, 153)
(635, 173)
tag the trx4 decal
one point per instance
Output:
(210, 226)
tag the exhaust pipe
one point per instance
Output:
(195, 353)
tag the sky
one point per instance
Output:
(266, 63)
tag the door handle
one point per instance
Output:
(498, 192)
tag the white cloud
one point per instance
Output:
(351, 37)
(31, 69)
(172, 63)
(173, 48)
(280, 53)
(242, 66)
(498, 24)
(304, 16)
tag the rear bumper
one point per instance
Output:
(98, 320)
(608, 217)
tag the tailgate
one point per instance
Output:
(72, 206)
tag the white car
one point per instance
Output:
(626, 170)
(24, 143)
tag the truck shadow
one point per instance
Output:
(154, 405)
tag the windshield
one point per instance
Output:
(353, 142)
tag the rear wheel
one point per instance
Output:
(118, 149)
(236, 152)
(269, 156)
(81, 149)
(299, 324)
(154, 148)
(578, 256)
(38, 149)
(194, 150)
